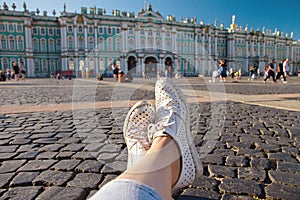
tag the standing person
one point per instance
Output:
(16, 69)
(115, 71)
(169, 72)
(223, 70)
(270, 72)
(258, 72)
(161, 154)
(23, 70)
(280, 72)
(286, 67)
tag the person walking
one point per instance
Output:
(223, 70)
(270, 72)
(280, 72)
(286, 67)
(23, 70)
(16, 69)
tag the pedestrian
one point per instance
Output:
(270, 72)
(280, 72)
(252, 73)
(223, 70)
(286, 67)
(23, 70)
(161, 154)
(16, 69)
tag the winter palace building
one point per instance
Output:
(144, 42)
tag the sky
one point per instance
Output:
(271, 14)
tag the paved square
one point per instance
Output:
(62, 139)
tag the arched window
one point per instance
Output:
(44, 66)
(118, 44)
(51, 45)
(58, 44)
(36, 66)
(191, 48)
(101, 44)
(12, 43)
(43, 45)
(91, 43)
(20, 43)
(3, 43)
(158, 44)
(101, 64)
(130, 44)
(70, 43)
(109, 44)
(35, 44)
(80, 44)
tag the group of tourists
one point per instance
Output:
(281, 73)
(15, 73)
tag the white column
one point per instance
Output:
(163, 38)
(137, 38)
(173, 34)
(85, 30)
(96, 49)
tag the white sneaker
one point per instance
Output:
(135, 130)
(172, 118)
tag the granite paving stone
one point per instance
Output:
(11, 165)
(86, 180)
(278, 191)
(37, 165)
(23, 179)
(89, 166)
(27, 192)
(240, 186)
(284, 178)
(59, 193)
(52, 177)
(66, 165)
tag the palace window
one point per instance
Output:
(109, 31)
(35, 45)
(58, 32)
(130, 44)
(51, 45)
(43, 32)
(36, 66)
(168, 34)
(184, 47)
(80, 29)
(91, 29)
(157, 33)
(20, 43)
(150, 32)
(50, 31)
(80, 44)
(109, 44)
(158, 44)
(142, 43)
(118, 44)
(70, 43)
(130, 31)
(2, 27)
(44, 66)
(10, 28)
(4, 63)
(100, 30)
(117, 31)
(3, 43)
(43, 45)
(100, 44)
(52, 65)
(34, 31)
(168, 45)
(19, 28)
(70, 29)
(12, 43)
(142, 32)
(58, 44)
(150, 42)
(101, 64)
(191, 48)
(91, 43)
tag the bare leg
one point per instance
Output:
(159, 168)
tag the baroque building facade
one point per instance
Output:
(147, 42)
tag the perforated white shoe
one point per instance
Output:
(135, 130)
(172, 118)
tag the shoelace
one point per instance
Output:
(154, 128)
(135, 135)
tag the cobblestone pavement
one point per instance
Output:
(63, 139)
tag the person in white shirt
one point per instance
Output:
(286, 67)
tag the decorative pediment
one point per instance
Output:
(149, 14)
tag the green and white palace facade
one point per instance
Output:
(144, 42)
